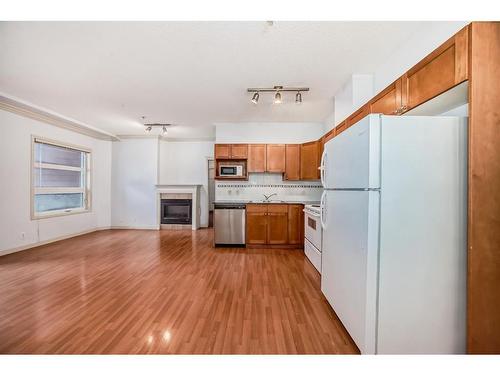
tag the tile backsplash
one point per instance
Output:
(259, 184)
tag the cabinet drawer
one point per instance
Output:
(256, 207)
(277, 208)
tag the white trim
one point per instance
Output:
(55, 239)
(23, 108)
(140, 227)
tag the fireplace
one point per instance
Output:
(176, 211)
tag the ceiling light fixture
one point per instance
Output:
(149, 127)
(255, 98)
(277, 98)
(298, 98)
(278, 93)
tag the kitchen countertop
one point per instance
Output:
(263, 202)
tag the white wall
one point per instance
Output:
(15, 167)
(134, 176)
(268, 132)
(186, 163)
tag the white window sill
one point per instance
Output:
(49, 214)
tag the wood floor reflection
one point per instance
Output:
(126, 291)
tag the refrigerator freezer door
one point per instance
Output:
(349, 262)
(422, 283)
(351, 160)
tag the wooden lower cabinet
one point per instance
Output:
(256, 224)
(275, 225)
(295, 224)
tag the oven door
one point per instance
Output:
(313, 229)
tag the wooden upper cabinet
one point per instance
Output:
(222, 151)
(256, 158)
(358, 115)
(292, 162)
(309, 161)
(256, 224)
(275, 158)
(328, 136)
(389, 101)
(277, 225)
(295, 224)
(444, 68)
(228, 151)
(239, 151)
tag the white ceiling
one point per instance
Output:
(193, 74)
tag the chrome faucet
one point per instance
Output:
(269, 196)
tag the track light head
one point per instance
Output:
(164, 130)
(255, 98)
(298, 98)
(148, 129)
(277, 98)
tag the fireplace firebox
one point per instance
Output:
(176, 211)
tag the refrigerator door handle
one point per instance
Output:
(322, 168)
(322, 216)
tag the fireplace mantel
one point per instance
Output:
(194, 190)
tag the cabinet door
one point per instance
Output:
(277, 224)
(256, 158)
(438, 72)
(222, 151)
(309, 161)
(256, 225)
(389, 101)
(295, 224)
(358, 115)
(239, 151)
(275, 158)
(292, 161)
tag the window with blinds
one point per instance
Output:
(60, 179)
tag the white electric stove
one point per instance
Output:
(313, 235)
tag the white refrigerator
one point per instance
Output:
(394, 233)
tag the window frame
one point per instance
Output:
(86, 190)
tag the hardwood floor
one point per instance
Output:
(126, 291)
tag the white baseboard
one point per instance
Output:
(140, 227)
(55, 239)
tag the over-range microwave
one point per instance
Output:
(227, 170)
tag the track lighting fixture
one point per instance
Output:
(255, 98)
(278, 93)
(277, 98)
(149, 127)
(298, 98)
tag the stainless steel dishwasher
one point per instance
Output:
(229, 224)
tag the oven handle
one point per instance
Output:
(311, 213)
